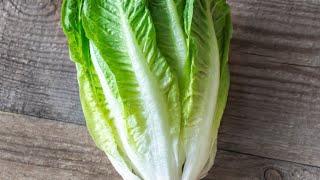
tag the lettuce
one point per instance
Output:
(153, 81)
(209, 36)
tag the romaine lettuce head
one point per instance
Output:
(153, 81)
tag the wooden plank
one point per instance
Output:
(19, 171)
(274, 102)
(278, 30)
(34, 148)
(235, 166)
(273, 111)
(36, 76)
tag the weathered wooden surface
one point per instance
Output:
(273, 109)
(36, 76)
(282, 31)
(34, 148)
(274, 102)
(235, 166)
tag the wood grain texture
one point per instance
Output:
(273, 111)
(36, 76)
(274, 102)
(35, 148)
(235, 166)
(278, 30)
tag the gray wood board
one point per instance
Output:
(274, 103)
(35, 148)
(235, 166)
(36, 76)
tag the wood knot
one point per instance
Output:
(31, 9)
(272, 174)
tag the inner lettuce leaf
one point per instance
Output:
(153, 81)
(168, 19)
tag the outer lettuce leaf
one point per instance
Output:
(201, 97)
(96, 110)
(100, 123)
(167, 17)
(143, 92)
(223, 28)
(208, 25)
(70, 17)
